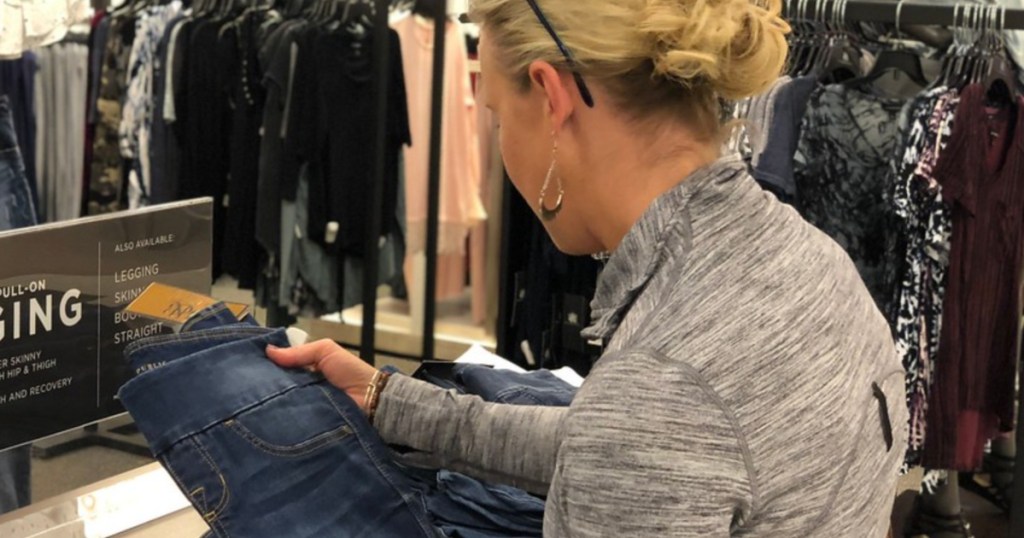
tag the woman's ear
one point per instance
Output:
(553, 86)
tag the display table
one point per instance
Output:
(144, 503)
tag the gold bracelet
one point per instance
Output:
(381, 383)
(370, 390)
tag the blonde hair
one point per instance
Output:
(681, 57)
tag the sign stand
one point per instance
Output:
(123, 438)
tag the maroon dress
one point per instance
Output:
(982, 176)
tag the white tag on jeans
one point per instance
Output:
(296, 337)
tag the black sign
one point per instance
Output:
(63, 289)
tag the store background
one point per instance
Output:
(398, 342)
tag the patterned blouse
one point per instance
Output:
(843, 169)
(926, 225)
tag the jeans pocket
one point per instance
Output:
(199, 476)
(298, 423)
(16, 211)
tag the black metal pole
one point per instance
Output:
(381, 52)
(434, 185)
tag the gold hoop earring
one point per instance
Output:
(546, 213)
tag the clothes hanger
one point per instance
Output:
(359, 19)
(842, 62)
(817, 42)
(805, 40)
(952, 52)
(896, 58)
(999, 77)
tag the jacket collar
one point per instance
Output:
(662, 234)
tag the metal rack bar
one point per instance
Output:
(434, 184)
(918, 12)
(381, 52)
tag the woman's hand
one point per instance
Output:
(341, 368)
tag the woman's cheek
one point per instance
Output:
(513, 162)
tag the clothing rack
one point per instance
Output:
(919, 12)
(940, 13)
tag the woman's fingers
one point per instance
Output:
(341, 368)
(314, 355)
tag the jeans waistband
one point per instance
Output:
(190, 395)
(210, 317)
(145, 355)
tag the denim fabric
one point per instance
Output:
(457, 505)
(144, 357)
(216, 316)
(246, 424)
(16, 211)
(15, 478)
(507, 387)
(18, 83)
(217, 326)
(16, 207)
(468, 508)
(774, 170)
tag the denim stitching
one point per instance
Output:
(212, 335)
(514, 393)
(238, 412)
(202, 489)
(203, 315)
(226, 495)
(320, 442)
(177, 479)
(382, 467)
(199, 494)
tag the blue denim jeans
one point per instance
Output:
(214, 317)
(15, 479)
(464, 507)
(265, 452)
(453, 504)
(16, 211)
(507, 387)
(16, 207)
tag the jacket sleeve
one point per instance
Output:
(514, 445)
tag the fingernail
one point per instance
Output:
(272, 347)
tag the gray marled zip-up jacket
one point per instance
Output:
(736, 396)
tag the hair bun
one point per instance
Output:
(737, 47)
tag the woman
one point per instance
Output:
(749, 385)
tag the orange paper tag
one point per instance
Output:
(238, 309)
(169, 304)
